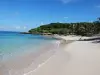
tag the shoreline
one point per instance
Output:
(31, 61)
(48, 54)
(77, 58)
(62, 42)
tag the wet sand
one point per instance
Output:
(29, 61)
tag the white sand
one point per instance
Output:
(77, 58)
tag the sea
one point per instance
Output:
(13, 44)
(21, 54)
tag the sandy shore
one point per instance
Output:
(72, 57)
(77, 58)
(26, 62)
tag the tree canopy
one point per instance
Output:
(80, 28)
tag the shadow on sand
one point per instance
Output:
(96, 41)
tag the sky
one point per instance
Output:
(22, 15)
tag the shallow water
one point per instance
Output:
(20, 53)
(14, 43)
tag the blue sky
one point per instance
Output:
(22, 15)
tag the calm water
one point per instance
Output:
(14, 43)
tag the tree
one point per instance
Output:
(80, 28)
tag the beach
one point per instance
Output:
(76, 58)
(49, 37)
(26, 62)
(67, 56)
(21, 53)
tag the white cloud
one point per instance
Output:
(68, 1)
(98, 6)
(42, 23)
(24, 27)
(18, 27)
(91, 21)
(65, 17)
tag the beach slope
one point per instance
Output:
(77, 58)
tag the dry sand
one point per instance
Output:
(77, 58)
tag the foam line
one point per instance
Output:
(58, 44)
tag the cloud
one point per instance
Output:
(42, 23)
(18, 27)
(24, 27)
(68, 1)
(98, 6)
(65, 17)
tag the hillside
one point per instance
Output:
(81, 28)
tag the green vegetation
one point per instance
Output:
(81, 28)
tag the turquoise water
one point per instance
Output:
(14, 43)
